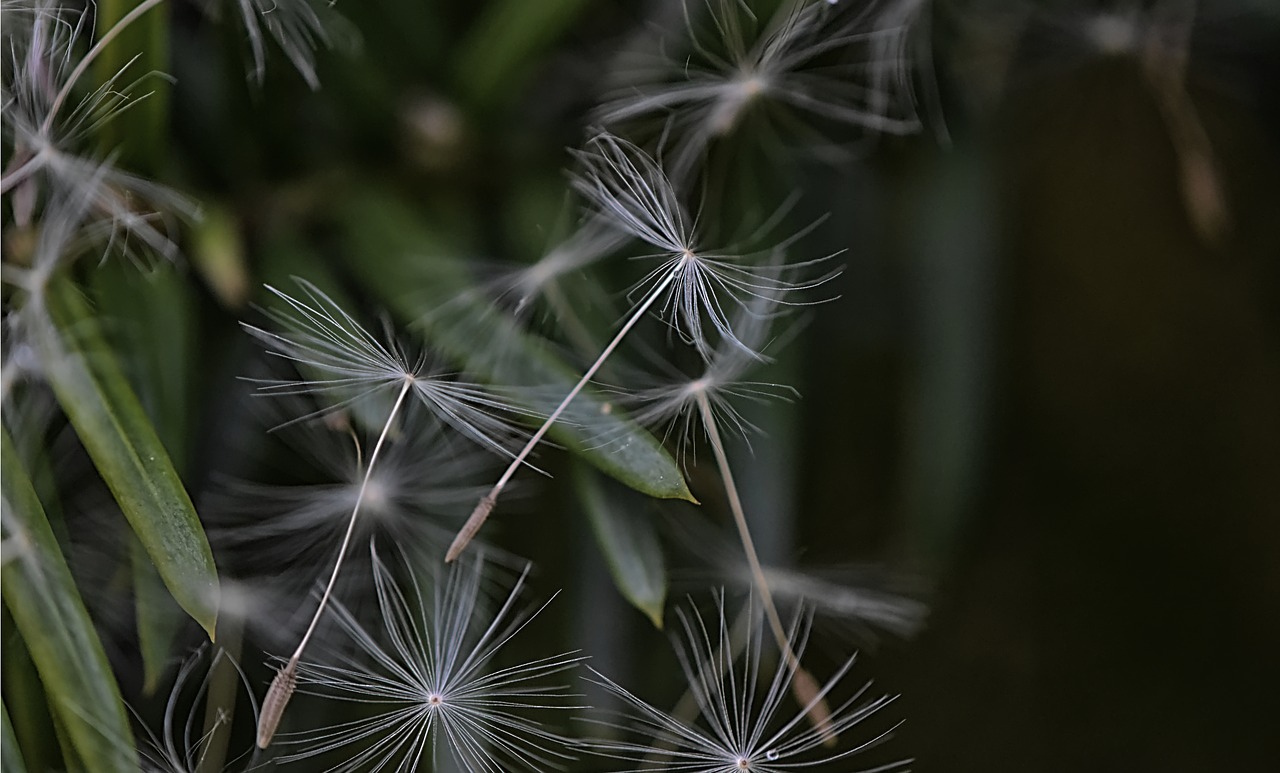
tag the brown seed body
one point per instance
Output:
(273, 705)
(473, 524)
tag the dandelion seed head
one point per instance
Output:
(751, 85)
(289, 520)
(830, 74)
(339, 360)
(698, 386)
(698, 291)
(48, 128)
(299, 27)
(377, 495)
(743, 724)
(429, 671)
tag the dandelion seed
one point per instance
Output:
(808, 65)
(351, 364)
(698, 287)
(706, 401)
(672, 404)
(552, 289)
(630, 191)
(431, 672)
(341, 361)
(277, 699)
(853, 602)
(420, 490)
(299, 27)
(39, 82)
(177, 748)
(739, 729)
(538, 281)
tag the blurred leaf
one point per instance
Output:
(26, 699)
(149, 320)
(152, 325)
(10, 754)
(28, 422)
(218, 254)
(140, 52)
(159, 619)
(623, 526)
(41, 595)
(415, 274)
(494, 58)
(125, 449)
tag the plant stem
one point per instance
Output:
(487, 502)
(803, 685)
(220, 700)
(282, 686)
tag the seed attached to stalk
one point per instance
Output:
(273, 705)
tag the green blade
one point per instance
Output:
(42, 598)
(150, 319)
(623, 526)
(140, 52)
(10, 754)
(126, 451)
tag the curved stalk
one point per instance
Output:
(286, 678)
(803, 686)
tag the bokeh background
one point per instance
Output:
(1045, 403)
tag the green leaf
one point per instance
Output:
(26, 699)
(622, 522)
(150, 320)
(42, 598)
(159, 619)
(114, 430)
(10, 754)
(140, 51)
(494, 58)
(401, 262)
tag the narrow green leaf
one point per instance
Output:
(41, 595)
(28, 702)
(159, 619)
(401, 262)
(150, 320)
(622, 522)
(139, 53)
(114, 430)
(10, 754)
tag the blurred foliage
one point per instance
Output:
(1045, 398)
